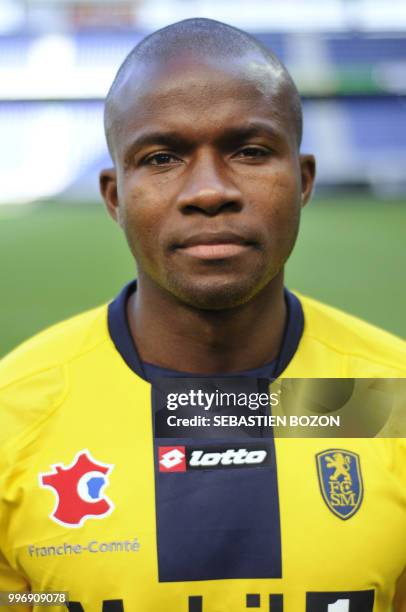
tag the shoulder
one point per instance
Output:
(55, 346)
(34, 377)
(360, 348)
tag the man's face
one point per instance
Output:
(209, 182)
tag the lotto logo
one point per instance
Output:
(186, 458)
(172, 459)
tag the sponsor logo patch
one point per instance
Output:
(79, 490)
(187, 458)
(172, 459)
(340, 480)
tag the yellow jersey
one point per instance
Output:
(97, 501)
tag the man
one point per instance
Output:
(101, 495)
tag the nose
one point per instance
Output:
(208, 188)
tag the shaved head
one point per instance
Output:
(202, 39)
(204, 125)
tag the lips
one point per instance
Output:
(219, 245)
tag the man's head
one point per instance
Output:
(204, 126)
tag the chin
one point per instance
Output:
(215, 294)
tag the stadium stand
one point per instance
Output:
(353, 86)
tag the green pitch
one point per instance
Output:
(59, 259)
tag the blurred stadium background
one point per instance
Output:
(59, 251)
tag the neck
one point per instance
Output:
(174, 335)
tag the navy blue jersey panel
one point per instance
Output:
(217, 506)
(218, 524)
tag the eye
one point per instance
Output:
(160, 159)
(252, 152)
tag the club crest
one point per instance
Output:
(340, 479)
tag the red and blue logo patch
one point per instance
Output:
(79, 490)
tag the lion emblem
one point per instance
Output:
(340, 480)
(341, 464)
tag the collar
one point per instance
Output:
(120, 333)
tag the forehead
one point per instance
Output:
(199, 97)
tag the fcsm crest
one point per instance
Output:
(340, 481)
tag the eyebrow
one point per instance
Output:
(253, 128)
(174, 139)
(158, 137)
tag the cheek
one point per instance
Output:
(280, 198)
(144, 214)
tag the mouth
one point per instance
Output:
(211, 246)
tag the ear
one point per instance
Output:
(108, 189)
(308, 174)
